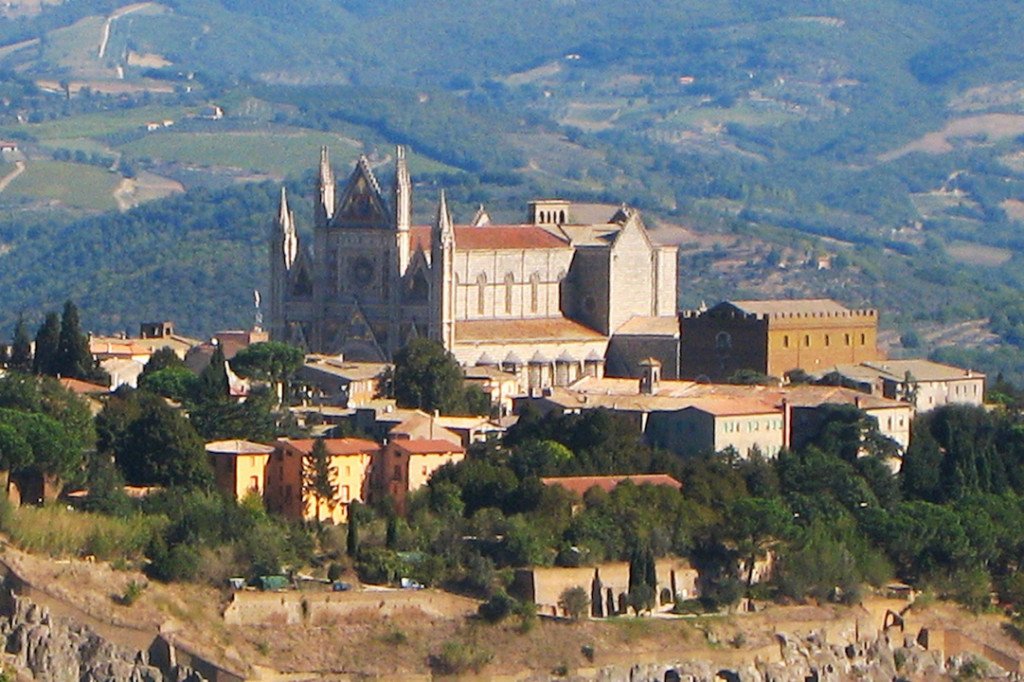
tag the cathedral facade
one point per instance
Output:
(545, 298)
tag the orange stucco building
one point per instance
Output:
(774, 337)
(407, 464)
(239, 466)
(351, 461)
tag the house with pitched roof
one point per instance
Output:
(239, 467)
(287, 489)
(689, 417)
(405, 465)
(540, 299)
(923, 383)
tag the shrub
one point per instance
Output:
(457, 658)
(497, 608)
(575, 602)
(132, 591)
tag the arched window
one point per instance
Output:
(481, 293)
(723, 341)
(509, 281)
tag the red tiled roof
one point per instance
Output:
(82, 387)
(493, 238)
(581, 484)
(524, 330)
(426, 446)
(724, 406)
(335, 446)
(238, 447)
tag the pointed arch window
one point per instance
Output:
(481, 293)
(510, 280)
(534, 292)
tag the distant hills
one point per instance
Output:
(885, 136)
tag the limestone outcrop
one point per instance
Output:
(55, 649)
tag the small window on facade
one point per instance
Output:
(343, 493)
(481, 293)
(846, 339)
(534, 292)
(863, 339)
(807, 340)
(828, 341)
(723, 341)
(509, 281)
(785, 341)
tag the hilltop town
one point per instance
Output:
(510, 424)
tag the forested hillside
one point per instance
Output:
(881, 138)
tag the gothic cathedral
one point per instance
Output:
(575, 289)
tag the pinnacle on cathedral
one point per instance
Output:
(286, 231)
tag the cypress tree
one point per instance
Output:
(213, 385)
(21, 348)
(73, 356)
(47, 341)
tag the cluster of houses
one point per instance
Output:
(688, 412)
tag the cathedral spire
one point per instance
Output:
(403, 208)
(324, 209)
(289, 239)
(443, 223)
(403, 191)
(442, 267)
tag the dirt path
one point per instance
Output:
(117, 14)
(19, 168)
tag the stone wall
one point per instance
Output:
(324, 608)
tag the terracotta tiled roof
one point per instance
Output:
(581, 484)
(650, 326)
(335, 446)
(726, 407)
(492, 238)
(99, 346)
(82, 387)
(524, 330)
(424, 446)
(238, 447)
(922, 370)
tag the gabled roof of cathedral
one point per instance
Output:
(361, 201)
(493, 238)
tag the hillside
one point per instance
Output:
(883, 135)
(411, 642)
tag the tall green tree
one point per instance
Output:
(47, 345)
(73, 356)
(318, 477)
(21, 348)
(160, 447)
(428, 377)
(268, 361)
(213, 384)
(163, 358)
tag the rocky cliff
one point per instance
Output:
(53, 649)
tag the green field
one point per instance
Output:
(79, 144)
(267, 152)
(102, 123)
(71, 184)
